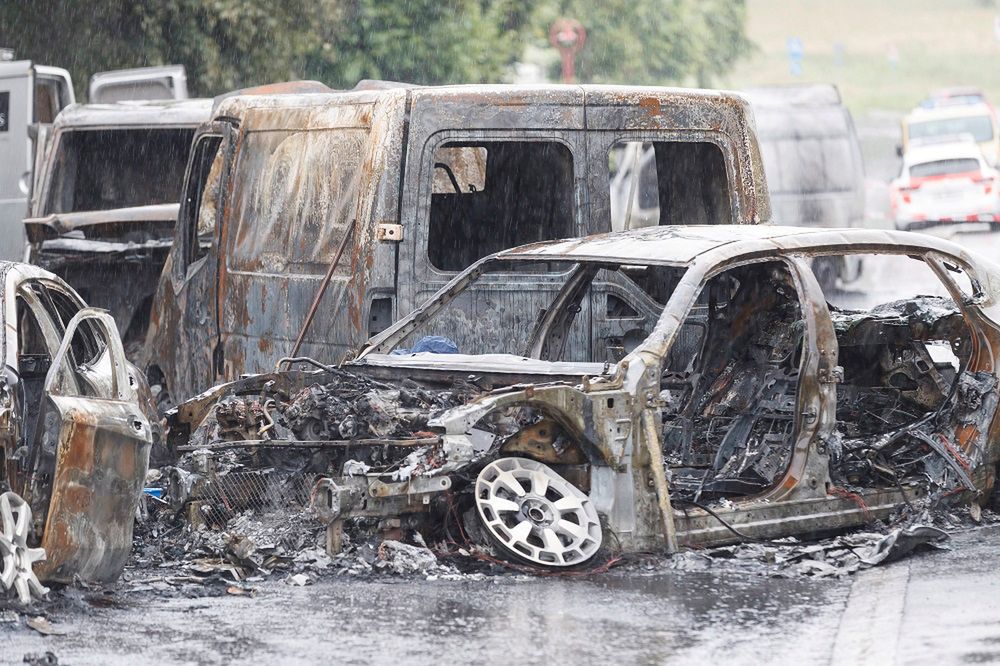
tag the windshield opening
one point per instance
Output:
(980, 127)
(108, 169)
(548, 310)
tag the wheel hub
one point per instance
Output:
(16, 558)
(538, 511)
(535, 514)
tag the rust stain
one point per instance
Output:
(651, 105)
(265, 345)
(77, 452)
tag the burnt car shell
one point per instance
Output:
(76, 426)
(613, 414)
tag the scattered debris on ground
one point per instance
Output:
(836, 556)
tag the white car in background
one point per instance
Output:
(945, 183)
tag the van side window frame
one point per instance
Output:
(565, 138)
(601, 142)
(186, 238)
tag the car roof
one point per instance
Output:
(185, 112)
(921, 153)
(683, 245)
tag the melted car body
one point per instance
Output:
(740, 400)
(75, 427)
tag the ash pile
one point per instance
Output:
(236, 504)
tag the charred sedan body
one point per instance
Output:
(75, 435)
(738, 398)
(106, 198)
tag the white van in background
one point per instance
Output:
(811, 155)
(31, 96)
(143, 83)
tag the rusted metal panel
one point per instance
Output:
(261, 299)
(97, 484)
(87, 459)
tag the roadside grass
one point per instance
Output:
(939, 43)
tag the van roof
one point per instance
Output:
(513, 95)
(952, 111)
(169, 113)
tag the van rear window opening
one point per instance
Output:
(945, 167)
(667, 182)
(490, 196)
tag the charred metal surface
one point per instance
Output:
(76, 429)
(113, 255)
(113, 258)
(249, 296)
(100, 466)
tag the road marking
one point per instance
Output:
(869, 628)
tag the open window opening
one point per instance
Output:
(668, 182)
(34, 358)
(108, 169)
(731, 383)
(911, 404)
(493, 195)
(201, 201)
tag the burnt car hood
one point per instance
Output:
(498, 365)
(103, 224)
(479, 377)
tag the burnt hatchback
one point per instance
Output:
(735, 399)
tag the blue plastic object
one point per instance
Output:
(435, 344)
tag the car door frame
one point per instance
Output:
(194, 282)
(807, 474)
(101, 446)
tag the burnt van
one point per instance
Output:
(358, 205)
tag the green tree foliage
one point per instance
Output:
(227, 44)
(656, 42)
(422, 41)
(224, 44)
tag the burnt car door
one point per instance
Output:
(89, 454)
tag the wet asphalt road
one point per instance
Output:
(940, 608)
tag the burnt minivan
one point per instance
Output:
(413, 184)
